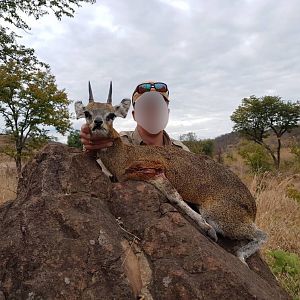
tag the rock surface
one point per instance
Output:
(72, 234)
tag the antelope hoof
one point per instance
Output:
(242, 259)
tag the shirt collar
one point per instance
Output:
(137, 140)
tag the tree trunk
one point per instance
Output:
(275, 159)
(278, 152)
(219, 157)
(18, 164)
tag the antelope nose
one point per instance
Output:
(98, 121)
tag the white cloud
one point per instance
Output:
(179, 4)
(210, 53)
(103, 17)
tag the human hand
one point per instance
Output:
(93, 143)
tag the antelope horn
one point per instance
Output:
(91, 98)
(109, 98)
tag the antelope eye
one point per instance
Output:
(110, 116)
(87, 114)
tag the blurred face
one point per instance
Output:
(151, 112)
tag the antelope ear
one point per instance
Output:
(79, 109)
(121, 109)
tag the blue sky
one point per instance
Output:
(210, 53)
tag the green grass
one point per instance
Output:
(293, 193)
(286, 267)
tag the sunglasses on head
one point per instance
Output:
(146, 87)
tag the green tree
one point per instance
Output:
(74, 139)
(11, 50)
(29, 97)
(30, 102)
(197, 146)
(13, 11)
(255, 156)
(256, 118)
(207, 147)
(188, 137)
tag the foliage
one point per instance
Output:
(197, 146)
(295, 149)
(256, 118)
(230, 156)
(285, 262)
(286, 267)
(188, 137)
(29, 98)
(12, 11)
(255, 157)
(11, 50)
(207, 147)
(292, 165)
(74, 139)
(293, 193)
(30, 101)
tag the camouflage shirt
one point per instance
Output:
(133, 137)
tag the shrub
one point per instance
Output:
(201, 147)
(286, 267)
(293, 193)
(74, 139)
(295, 149)
(255, 157)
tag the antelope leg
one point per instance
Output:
(164, 186)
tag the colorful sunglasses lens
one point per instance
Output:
(160, 87)
(145, 87)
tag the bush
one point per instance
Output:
(286, 267)
(293, 193)
(74, 139)
(229, 156)
(295, 149)
(255, 157)
(201, 147)
(197, 146)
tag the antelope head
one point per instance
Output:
(100, 115)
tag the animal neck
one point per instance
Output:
(114, 157)
(118, 144)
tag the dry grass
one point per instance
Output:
(8, 181)
(277, 214)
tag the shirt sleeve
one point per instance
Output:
(181, 145)
(125, 137)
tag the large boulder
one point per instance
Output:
(72, 234)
